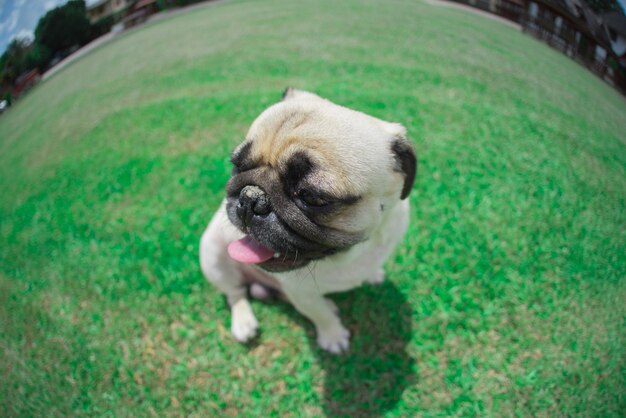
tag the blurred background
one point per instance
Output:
(506, 297)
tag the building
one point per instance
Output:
(140, 12)
(572, 27)
(615, 25)
(114, 9)
(596, 41)
(26, 81)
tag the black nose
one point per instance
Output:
(252, 201)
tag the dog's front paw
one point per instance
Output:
(244, 325)
(378, 278)
(335, 339)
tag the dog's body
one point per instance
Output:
(320, 191)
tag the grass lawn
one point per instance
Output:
(506, 298)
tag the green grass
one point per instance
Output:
(506, 297)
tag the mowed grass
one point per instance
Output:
(506, 297)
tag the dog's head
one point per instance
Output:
(313, 179)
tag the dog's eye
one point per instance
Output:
(310, 199)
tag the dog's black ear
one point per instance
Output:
(293, 93)
(406, 162)
(289, 91)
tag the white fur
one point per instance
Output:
(361, 163)
(305, 288)
(244, 324)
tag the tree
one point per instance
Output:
(64, 27)
(14, 61)
(38, 57)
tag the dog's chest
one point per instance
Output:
(364, 266)
(362, 263)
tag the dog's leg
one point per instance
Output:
(230, 281)
(378, 278)
(223, 272)
(244, 325)
(331, 334)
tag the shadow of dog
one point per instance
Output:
(370, 378)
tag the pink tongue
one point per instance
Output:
(247, 250)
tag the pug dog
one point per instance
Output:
(316, 203)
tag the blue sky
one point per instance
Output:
(19, 17)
